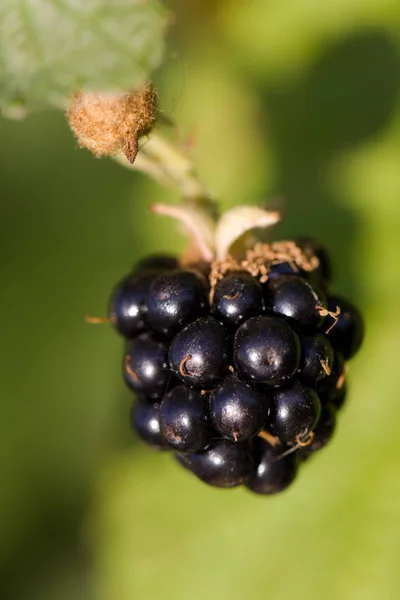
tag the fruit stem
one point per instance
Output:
(169, 165)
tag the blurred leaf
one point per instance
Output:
(50, 47)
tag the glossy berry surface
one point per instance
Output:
(237, 297)
(184, 420)
(237, 410)
(296, 299)
(145, 366)
(225, 464)
(294, 413)
(128, 303)
(145, 421)
(175, 298)
(348, 333)
(316, 359)
(159, 262)
(266, 350)
(272, 473)
(198, 354)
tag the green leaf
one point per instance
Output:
(48, 48)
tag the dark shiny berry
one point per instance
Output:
(347, 334)
(198, 354)
(331, 385)
(296, 299)
(159, 262)
(237, 410)
(145, 366)
(226, 464)
(237, 297)
(266, 350)
(294, 413)
(272, 474)
(175, 298)
(145, 421)
(316, 359)
(128, 303)
(184, 420)
(323, 273)
(323, 432)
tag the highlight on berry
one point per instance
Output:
(238, 364)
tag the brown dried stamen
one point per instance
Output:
(129, 369)
(300, 444)
(324, 312)
(325, 367)
(97, 320)
(237, 295)
(182, 366)
(259, 260)
(269, 438)
(342, 378)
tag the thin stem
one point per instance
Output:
(168, 164)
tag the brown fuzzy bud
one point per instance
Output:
(111, 123)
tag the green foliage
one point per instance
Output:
(50, 47)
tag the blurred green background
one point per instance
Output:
(293, 101)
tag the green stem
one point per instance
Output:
(168, 164)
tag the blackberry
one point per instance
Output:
(238, 411)
(273, 472)
(266, 350)
(239, 363)
(225, 464)
(347, 335)
(237, 297)
(316, 359)
(294, 414)
(146, 422)
(297, 300)
(145, 366)
(175, 298)
(184, 420)
(198, 354)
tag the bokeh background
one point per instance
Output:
(293, 101)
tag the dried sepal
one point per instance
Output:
(108, 124)
(235, 223)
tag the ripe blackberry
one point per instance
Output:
(347, 335)
(225, 464)
(316, 359)
(145, 366)
(146, 422)
(238, 411)
(296, 299)
(198, 355)
(266, 350)
(184, 420)
(237, 297)
(273, 472)
(175, 298)
(239, 360)
(128, 303)
(294, 413)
